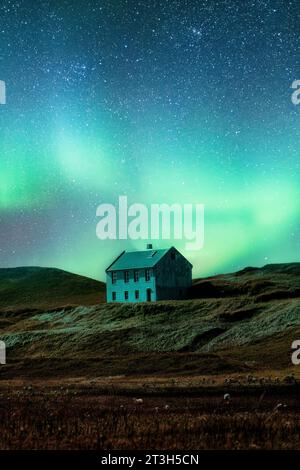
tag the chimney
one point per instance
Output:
(149, 246)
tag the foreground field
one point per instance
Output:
(74, 416)
(210, 372)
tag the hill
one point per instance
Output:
(34, 287)
(243, 321)
(273, 281)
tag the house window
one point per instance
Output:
(136, 276)
(114, 296)
(126, 295)
(137, 294)
(113, 277)
(126, 276)
(147, 275)
(173, 255)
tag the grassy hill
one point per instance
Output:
(271, 282)
(242, 322)
(34, 287)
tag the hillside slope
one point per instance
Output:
(250, 323)
(273, 281)
(34, 287)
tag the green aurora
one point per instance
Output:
(107, 107)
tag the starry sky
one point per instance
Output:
(161, 101)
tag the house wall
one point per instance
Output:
(121, 286)
(173, 276)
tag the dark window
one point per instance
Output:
(126, 276)
(136, 276)
(173, 255)
(147, 275)
(114, 295)
(126, 295)
(137, 294)
(113, 277)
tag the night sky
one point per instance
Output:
(162, 101)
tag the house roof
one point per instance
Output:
(137, 259)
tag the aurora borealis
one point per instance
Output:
(163, 101)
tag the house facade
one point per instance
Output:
(149, 275)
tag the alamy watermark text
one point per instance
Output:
(2, 353)
(156, 221)
(2, 92)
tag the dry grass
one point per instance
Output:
(89, 365)
(77, 418)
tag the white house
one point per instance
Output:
(149, 275)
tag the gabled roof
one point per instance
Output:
(137, 259)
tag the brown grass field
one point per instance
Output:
(83, 374)
(127, 414)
